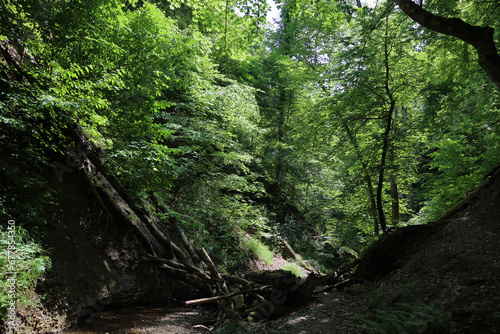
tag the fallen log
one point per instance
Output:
(338, 276)
(288, 291)
(291, 254)
(271, 277)
(181, 266)
(236, 280)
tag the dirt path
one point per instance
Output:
(145, 320)
(326, 313)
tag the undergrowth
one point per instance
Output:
(23, 264)
(415, 317)
(260, 250)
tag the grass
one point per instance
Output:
(294, 268)
(260, 250)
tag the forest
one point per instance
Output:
(153, 147)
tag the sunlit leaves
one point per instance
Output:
(145, 166)
(464, 144)
(235, 106)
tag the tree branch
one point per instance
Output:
(217, 298)
(479, 37)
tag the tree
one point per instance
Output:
(481, 38)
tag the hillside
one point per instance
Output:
(446, 275)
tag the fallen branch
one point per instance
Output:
(335, 278)
(181, 266)
(237, 280)
(182, 236)
(291, 253)
(332, 286)
(216, 298)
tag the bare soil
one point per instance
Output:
(146, 320)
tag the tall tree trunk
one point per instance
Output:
(395, 201)
(481, 38)
(380, 184)
(368, 179)
(373, 205)
(385, 144)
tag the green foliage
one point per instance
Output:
(337, 110)
(415, 317)
(143, 86)
(145, 166)
(294, 268)
(240, 129)
(29, 263)
(466, 150)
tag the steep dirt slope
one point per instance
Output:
(453, 266)
(96, 259)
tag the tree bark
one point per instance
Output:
(368, 179)
(373, 205)
(481, 38)
(380, 185)
(395, 201)
(385, 144)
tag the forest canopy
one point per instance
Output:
(346, 113)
